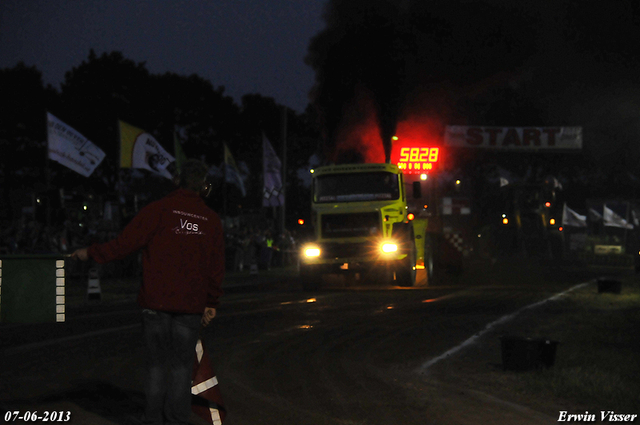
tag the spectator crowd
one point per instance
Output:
(248, 248)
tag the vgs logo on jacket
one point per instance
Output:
(188, 226)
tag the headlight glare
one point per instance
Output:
(388, 247)
(312, 251)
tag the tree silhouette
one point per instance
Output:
(109, 87)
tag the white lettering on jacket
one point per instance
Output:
(187, 228)
(185, 224)
(199, 217)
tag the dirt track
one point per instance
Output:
(338, 356)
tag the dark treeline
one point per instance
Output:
(109, 87)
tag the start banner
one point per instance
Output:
(514, 138)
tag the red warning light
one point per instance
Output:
(547, 204)
(300, 221)
(410, 216)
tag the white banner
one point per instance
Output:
(514, 138)
(70, 148)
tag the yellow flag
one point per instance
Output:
(139, 149)
(128, 136)
(232, 175)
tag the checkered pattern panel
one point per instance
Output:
(457, 241)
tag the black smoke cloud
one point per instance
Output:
(481, 62)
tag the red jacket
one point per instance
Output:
(182, 253)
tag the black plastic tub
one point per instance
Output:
(522, 354)
(613, 286)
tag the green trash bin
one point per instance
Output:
(32, 288)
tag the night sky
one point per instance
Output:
(495, 62)
(484, 62)
(247, 46)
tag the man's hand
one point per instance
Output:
(208, 315)
(80, 254)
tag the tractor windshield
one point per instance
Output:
(356, 187)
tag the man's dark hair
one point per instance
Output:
(193, 174)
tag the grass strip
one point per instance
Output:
(597, 362)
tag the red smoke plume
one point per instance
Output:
(418, 130)
(358, 136)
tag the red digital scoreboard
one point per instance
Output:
(415, 159)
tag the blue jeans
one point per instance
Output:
(170, 340)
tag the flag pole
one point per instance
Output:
(284, 170)
(47, 173)
(119, 171)
(224, 182)
(626, 228)
(262, 209)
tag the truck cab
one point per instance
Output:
(361, 225)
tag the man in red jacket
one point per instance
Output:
(183, 266)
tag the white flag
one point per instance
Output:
(70, 148)
(594, 215)
(611, 219)
(273, 194)
(505, 177)
(572, 218)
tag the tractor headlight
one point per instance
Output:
(311, 251)
(388, 247)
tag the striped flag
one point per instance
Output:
(206, 400)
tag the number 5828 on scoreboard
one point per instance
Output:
(417, 159)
